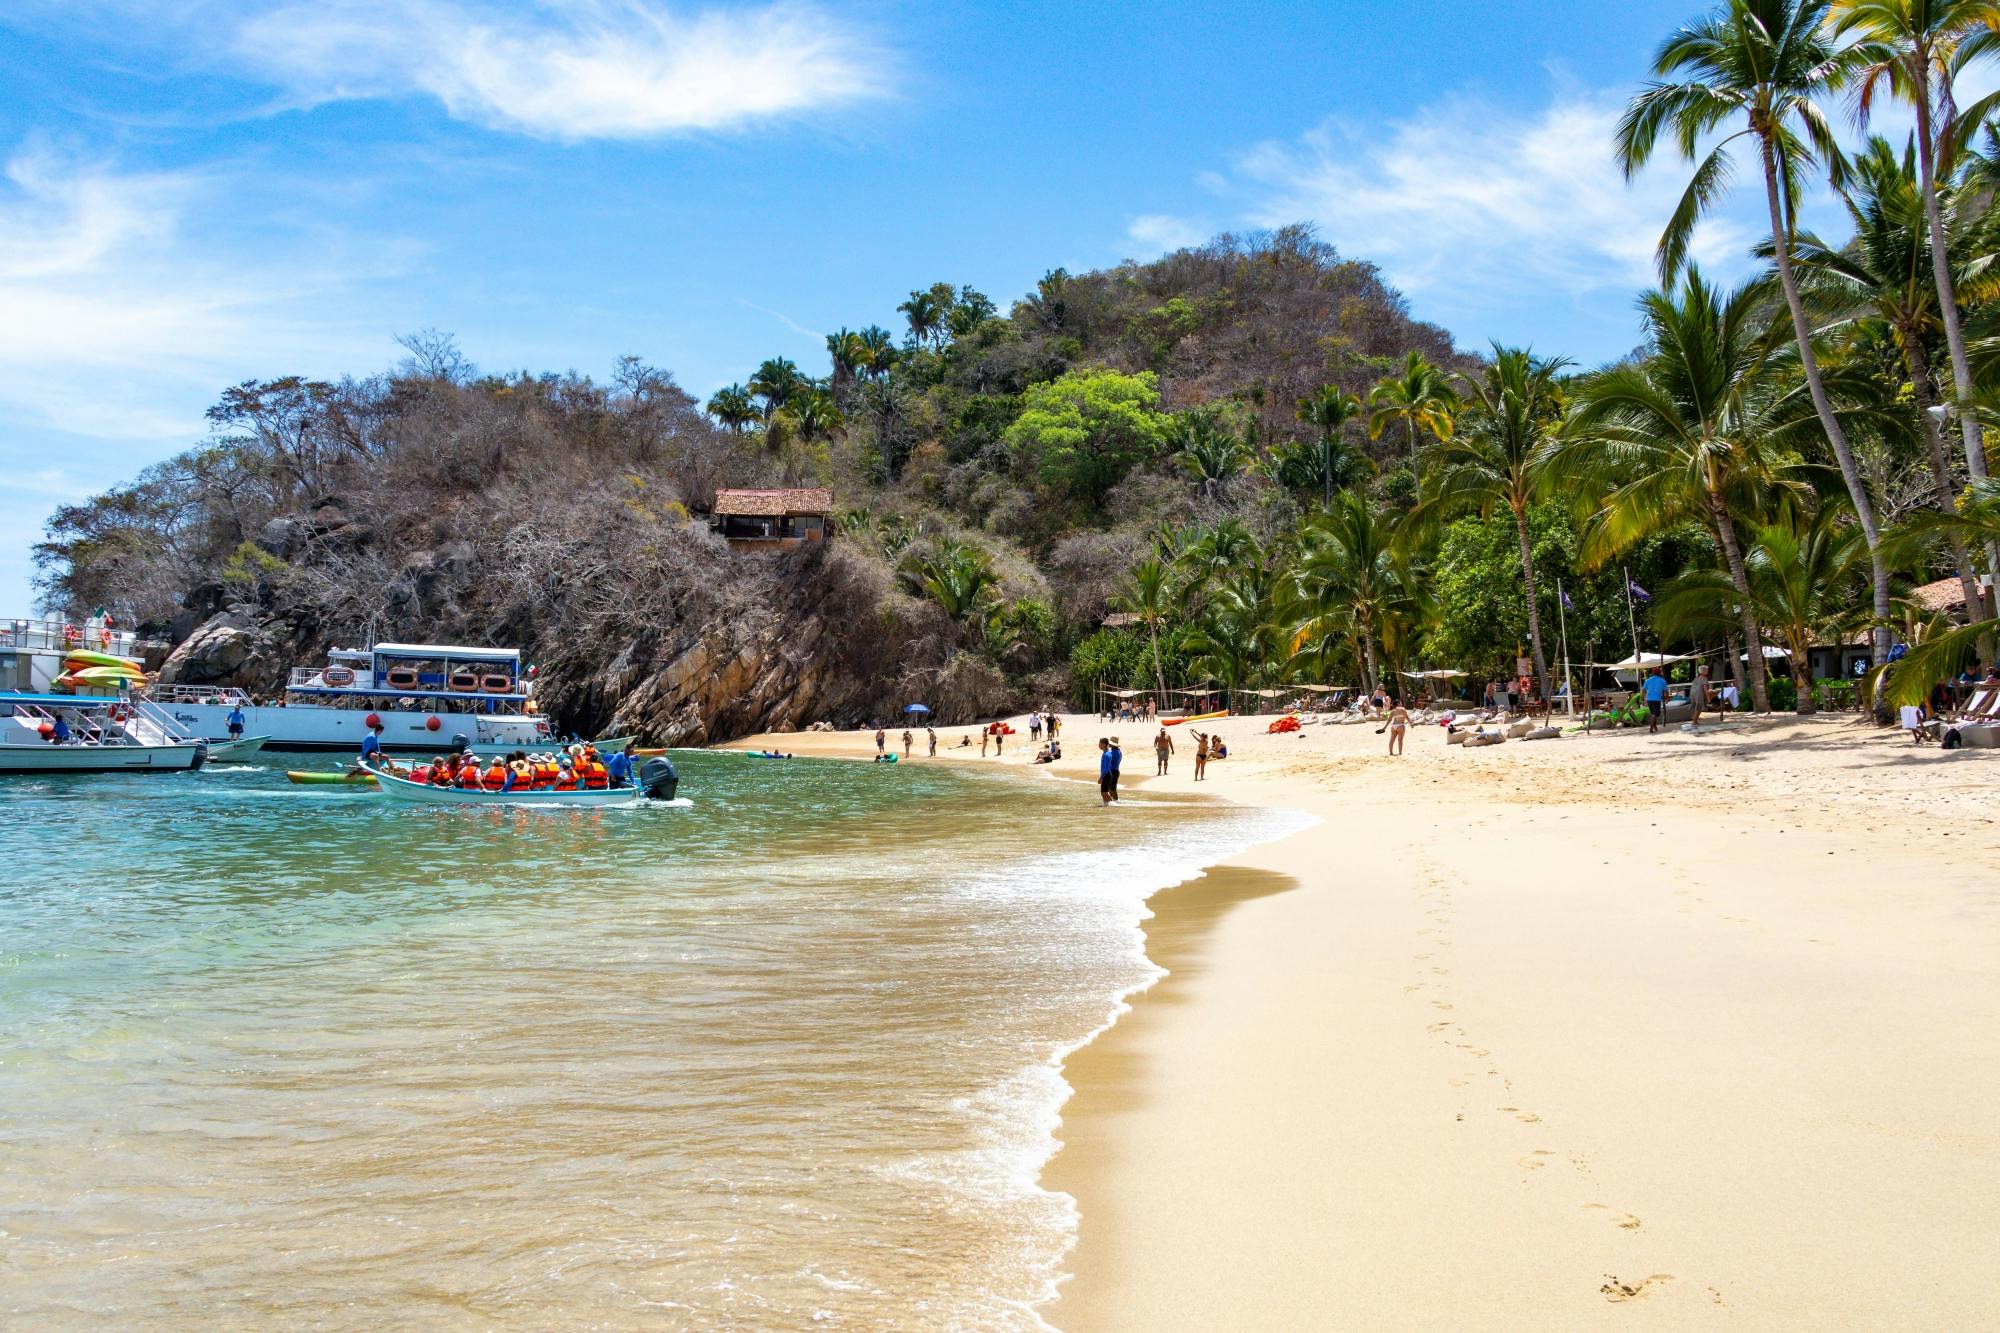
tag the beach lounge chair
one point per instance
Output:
(1921, 728)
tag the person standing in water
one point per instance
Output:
(1107, 774)
(1117, 763)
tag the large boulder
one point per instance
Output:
(228, 649)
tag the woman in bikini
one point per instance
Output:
(1399, 722)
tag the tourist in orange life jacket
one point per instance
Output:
(442, 773)
(468, 774)
(566, 775)
(595, 776)
(495, 778)
(522, 772)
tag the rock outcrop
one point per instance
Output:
(232, 648)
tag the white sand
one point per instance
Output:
(1695, 1030)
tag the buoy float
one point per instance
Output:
(46, 730)
(372, 721)
(431, 723)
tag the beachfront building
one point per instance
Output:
(772, 519)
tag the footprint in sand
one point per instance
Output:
(1414, 986)
(1440, 1004)
(1535, 1160)
(1619, 1292)
(1624, 1221)
(1459, 1083)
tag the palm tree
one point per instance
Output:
(1327, 410)
(1420, 396)
(1347, 579)
(1884, 274)
(1209, 452)
(879, 348)
(1917, 48)
(1798, 570)
(1764, 61)
(776, 382)
(1498, 458)
(1318, 467)
(925, 314)
(732, 406)
(1690, 432)
(958, 578)
(1233, 644)
(1148, 594)
(848, 354)
(814, 414)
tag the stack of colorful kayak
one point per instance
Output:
(86, 670)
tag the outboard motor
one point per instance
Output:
(460, 742)
(659, 780)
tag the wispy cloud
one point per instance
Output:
(123, 317)
(1157, 233)
(570, 69)
(1481, 215)
(783, 319)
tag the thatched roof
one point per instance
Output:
(1940, 595)
(776, 502)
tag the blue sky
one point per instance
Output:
(195, 193)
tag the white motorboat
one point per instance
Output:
(243, 749)
(57, 733)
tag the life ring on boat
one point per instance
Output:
(337, 675)
(495, 684)
(403, 678)
(71, 634)
(104, 638)
(431, 723)
(463, 682)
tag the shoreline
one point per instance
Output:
(1688, 1025)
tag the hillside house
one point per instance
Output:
(772, 519)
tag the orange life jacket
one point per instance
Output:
(566, 779)
(496, 776)
(524, 774)
(595, 776)
(443, 775)
(468, 776)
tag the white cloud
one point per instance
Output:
(125, 316)
(1474, 209)
(569, 69)
(1158, 233)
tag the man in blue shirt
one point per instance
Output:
(1656, 699)
(618, 769)
(236, 724)
(59, 735)
(1107, 772)
(371, 746)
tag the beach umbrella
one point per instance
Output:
(917, 708)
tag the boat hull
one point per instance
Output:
(101, 758)
(242, 749)
(308, 727)
(402, 789)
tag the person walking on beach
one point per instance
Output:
(1656, 700)
(1163, 748)
(1698, 696)
(881, 742)
(1399, 722)
(1054, 725)
(1035, 727)
(985, 735)
(999, 738)
(1107, 776)
(931, 734)
(908, 739)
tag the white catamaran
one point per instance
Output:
(424, 695)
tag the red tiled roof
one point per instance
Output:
(775, 502)
(1940, 595)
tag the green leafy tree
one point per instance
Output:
(1348, 580)
(959, 578)
(1946, 650)
(733, 407)
(1498, 459)
(1081, 433)
(775, 383)
(1760, 65)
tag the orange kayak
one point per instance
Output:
(1198, 717)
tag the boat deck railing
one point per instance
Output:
(199, 694)
(143, 723)
(63, 635)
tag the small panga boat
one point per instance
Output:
(242, 749)
(657, 781)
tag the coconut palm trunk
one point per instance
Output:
(1954, 336)
(1753, 641)
(1857, 488)
(1920, 384)
(1802, 676)
(1159, 673)
(1534, 607)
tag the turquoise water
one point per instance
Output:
(782, 1057)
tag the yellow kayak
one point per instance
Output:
(1198, 717)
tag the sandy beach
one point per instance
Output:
(1684, 1031)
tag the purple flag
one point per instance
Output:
(1636, 590)
(1568, 605)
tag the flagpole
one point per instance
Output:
(1632, 622)
(1562, 619)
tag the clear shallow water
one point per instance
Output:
(783, 1058)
